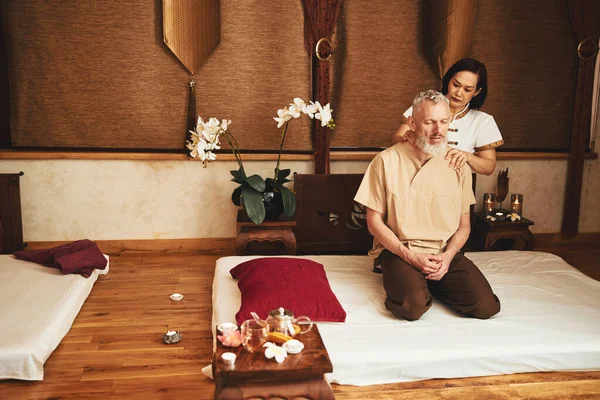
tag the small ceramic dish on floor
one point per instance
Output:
(176, 296)
(172, 337)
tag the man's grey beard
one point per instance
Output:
(433, 149)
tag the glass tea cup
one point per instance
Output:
(254, 335)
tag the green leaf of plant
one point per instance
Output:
(257, 182)
(235, 196)
(281, 175)
(289, 201)
(253, 204)
(238, 176)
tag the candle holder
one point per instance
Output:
(516, 204)
(489, 200)
(499, 215)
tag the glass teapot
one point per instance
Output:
(283, 321)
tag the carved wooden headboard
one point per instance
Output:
(328, 221)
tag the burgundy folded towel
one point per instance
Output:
(82, 262)
(69, 248)
(42, 256)
(85, 257)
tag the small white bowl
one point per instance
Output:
(176, 296)
(224, 327)
(172, 337)
(228, 358)
(293, 346)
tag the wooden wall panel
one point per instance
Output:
(98, 75)
(11, 225)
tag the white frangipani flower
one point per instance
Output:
(272, 350)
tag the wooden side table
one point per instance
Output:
(501, 235)
(255, 377)
(279, 231)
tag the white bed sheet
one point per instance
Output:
(38, 306)
(549, 321)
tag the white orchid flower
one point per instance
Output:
(272, 350)
(199, 123)
(192, 148)
(212, 146)
(225, 123)
(213, 126)
(208, 156)
(311, 109)
(297, 107)
(294, 110)
(206, 135)
(324, 115)
(282, 117)
(299, 103)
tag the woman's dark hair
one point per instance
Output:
(476, 67)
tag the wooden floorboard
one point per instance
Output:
(114, 349)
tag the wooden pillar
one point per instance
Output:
(579, 141)
(320, 85)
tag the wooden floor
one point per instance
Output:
(114, 349)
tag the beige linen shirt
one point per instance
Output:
(422, 205)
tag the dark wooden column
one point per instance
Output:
(10, 213)
(320, 84)
(320, 17)
(585, 17)
(579, 142)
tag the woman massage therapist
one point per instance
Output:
(472, 135)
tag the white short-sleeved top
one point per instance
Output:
(474, 130)
(422, 204)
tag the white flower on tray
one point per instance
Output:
(274, 351)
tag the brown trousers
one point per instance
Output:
(464, 288)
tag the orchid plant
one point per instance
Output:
(254, 191)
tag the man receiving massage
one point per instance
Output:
(418, 212)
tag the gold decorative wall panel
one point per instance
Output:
(191, 30)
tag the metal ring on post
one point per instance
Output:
(594, 52)
(326, 40)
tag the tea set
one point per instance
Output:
(276, 334)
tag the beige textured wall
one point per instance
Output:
(112, 200)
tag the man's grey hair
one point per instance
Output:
(429, 95)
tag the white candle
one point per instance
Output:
(228, 358)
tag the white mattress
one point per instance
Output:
(39, 305)
(549, 321)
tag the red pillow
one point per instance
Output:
(296, 284)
